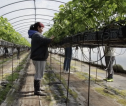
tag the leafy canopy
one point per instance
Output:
(9, 34)
(82, 15)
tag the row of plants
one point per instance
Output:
(8, 33)
(56, 89)
(118, 95)
(86, 15)
(58, 93)
(8, 78)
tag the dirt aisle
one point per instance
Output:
(6, 68)
(81, 87)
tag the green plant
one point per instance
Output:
(85, 15)
(10, 77)
(8, 33)
(4, 92)
(118, 68)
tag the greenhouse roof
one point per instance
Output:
(22, 13)
(103, 20)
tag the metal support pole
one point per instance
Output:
(60, 64)
(89, 77)
(50, 67)
(81, 61)
(2, 64)
(35, 10)
(96, 67)
(68, 88)
(12, 64)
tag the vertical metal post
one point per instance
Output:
(35, 10)
(75, 60)
(89, 77)
(68, 87)
(50, 66)
(81, 61)
(60, 64)
(12, 64)
(19, 63)
(96, 67)
(2, 63)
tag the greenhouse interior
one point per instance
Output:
(47, 46)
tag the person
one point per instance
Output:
(67, 60)
(18, 52)
(109, 59)
(39, 54)
(6, 53)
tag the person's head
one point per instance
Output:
(38, 26)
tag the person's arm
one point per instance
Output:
(42, 40)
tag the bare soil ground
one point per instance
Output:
(81, 87)
(26, 97)
(6, 68)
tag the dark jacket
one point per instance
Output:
(5, 49)
(68, 52)
(39, 46)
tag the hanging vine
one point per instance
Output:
(9, 34)
(85, 15)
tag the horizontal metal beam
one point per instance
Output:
(30, 15)
(28, 0)
(57, 1)
(23, 33)
(14, 3)
(24, 26)
(31, 18)
(111, 37)
(28, 9)
(25, 29)
(31, 22)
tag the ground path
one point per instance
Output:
(26, 97)
(81, 87)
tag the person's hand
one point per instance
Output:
(52, 37)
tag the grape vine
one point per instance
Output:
(9, 34)
(83, 15)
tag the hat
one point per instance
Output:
(41, 24)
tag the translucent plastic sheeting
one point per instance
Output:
(22, 13)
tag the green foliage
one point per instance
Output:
(118, 68)
(10, 77)
(4, 92)
(82, 15)
(9, 34)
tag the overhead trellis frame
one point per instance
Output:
(113, 37)
(30, 15)
(25, 27)
(35, 10)
(30, 22)
(27, 0)
(4, 43)
(27, 9)
(29, 19)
